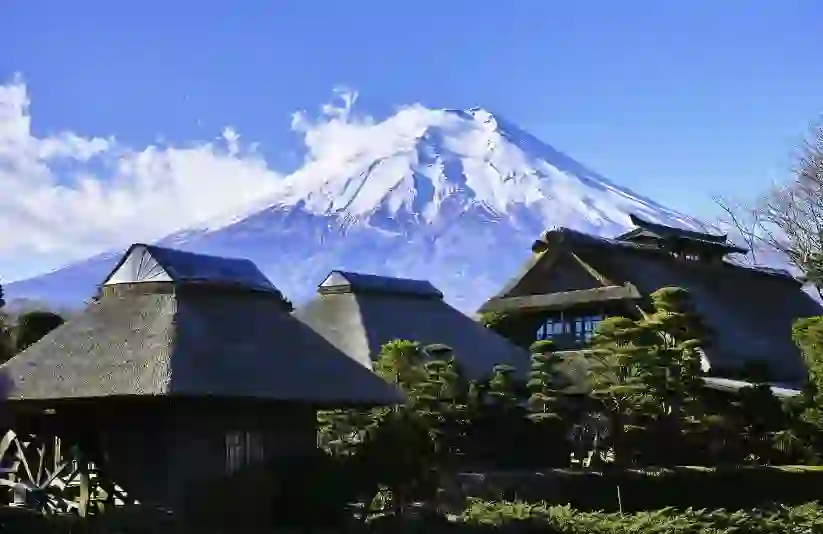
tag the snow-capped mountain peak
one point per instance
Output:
(452, 196)
(413, 163)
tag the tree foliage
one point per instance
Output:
(646, 405)
(808, 335)
(6, 340)
(544, 401)
(647, 371)
(33, 326)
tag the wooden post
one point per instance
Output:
(619, 500)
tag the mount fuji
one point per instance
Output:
(452, 196)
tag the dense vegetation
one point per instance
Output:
(479, 517)
(647, 406)
(17, 333)
(519, 517)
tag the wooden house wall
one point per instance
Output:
(164, 454)
(204, 442)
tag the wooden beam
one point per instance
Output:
(559, 301)
(597, 275)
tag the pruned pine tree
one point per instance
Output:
(543, 402)
(401, 363)
(443, 403)
(674, 337)
(501, 391)
(618, 375)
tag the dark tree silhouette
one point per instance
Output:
(6, 345)
(32, 326)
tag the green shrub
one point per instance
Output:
(519, 516)
(732, 488)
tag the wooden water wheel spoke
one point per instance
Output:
(6, 442)
(41, 464)
(54, 477)
(21, 455)
(37, 474)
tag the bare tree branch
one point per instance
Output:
(743, 221)
(788, 218)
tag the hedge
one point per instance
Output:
(519, 517)
(482, 517)
(732, 488)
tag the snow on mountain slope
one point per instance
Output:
(452, 196)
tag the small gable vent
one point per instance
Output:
(149, 263)
(139, 266)
(348, 282)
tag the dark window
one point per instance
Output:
(243, 448)
(589, 324)
(579, 328)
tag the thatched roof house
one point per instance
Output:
(358, 313)
(573, 280)
(178, 324)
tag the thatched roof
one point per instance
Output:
(358, 313)
(751, 310)
(150, 263)
(213, 327)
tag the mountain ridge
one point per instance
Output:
(455, 197)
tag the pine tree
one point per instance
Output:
(618, 376)
(648, 371)
(675, 337)
(543, 400)
(401, 363)
(443, 405)
(501, 390)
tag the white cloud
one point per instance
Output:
(65, 196)
(338, 134)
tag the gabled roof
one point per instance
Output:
(358, 319)
(191, 343)
(151, 263)
(751, 310)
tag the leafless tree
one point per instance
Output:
(788, 218)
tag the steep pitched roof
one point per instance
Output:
(151, 263)
(359, 313)
(191, 340)
(750, 309)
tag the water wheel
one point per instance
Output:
(43, 474)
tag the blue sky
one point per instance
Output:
(677, 100)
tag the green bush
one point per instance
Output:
(519, 517)
(732, 488)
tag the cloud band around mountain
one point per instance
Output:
(65, 196)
